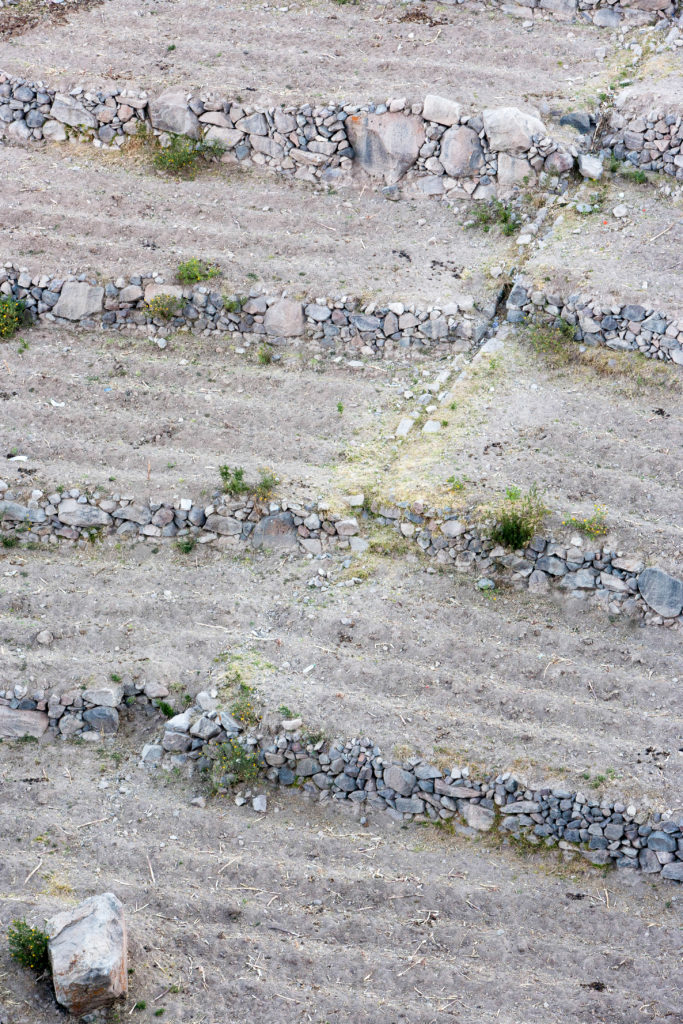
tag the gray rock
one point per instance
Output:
(88, 954)
(461, 153)
(663, 593)
(521, 807)
(580, 120)
(552, 565)
(79, 299)
(152, 753)
(109, 696)
(385, 145)
(205, 728)
(226, 526)
(170, 113)
(510, 130)
(14, 723)
(662, 842)
(180, 723)
(68, 110)
(590, 166)
(441, 110)
(260, 803)
(401, 781)
(285, 319)
(277, 531)
(13, 512)
(649, 862)
(176, 742)
(102, 719)
(72, 513)
(478, 817)
(139, 514)
(673, 871)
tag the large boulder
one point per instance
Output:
(284, 319)
(14, 723)
(441, 110)
(78, 299)
(562, 9)
(88, 956)
(514, 170)
(170, 113)
(510, 130)
(278, 532)
(386, 145)
(68, 110)
(461, 152)
(74, 513)
(662, 592)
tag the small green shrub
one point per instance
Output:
(635, 175)
(266, 484)
(181, 157)
(233, 764)
(186, 544)
(517, 517)
(165, 708)
(164, 307)
(28, 946)
(234, 483)
(243, 708)
(12, 315)
(496, 212)
(265, 355)
(9, 540)
(340, 408)
(194, 270)
(233, 304)
(592, 526)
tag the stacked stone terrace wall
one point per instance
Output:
(626, 327)
(124, 305)
(445, 149)
(650, 139)
(354, 772)
(333, 324)
(601, 13)
(620, 584)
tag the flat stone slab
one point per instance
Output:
(663, 593)
(14, 723)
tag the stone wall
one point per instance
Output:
(620, 584)
(649, 136)
(355, 772)
(123, 305)
(441, 148)
(628, 327)
(333, 324)
(602, 13)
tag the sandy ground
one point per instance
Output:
(68, 210)
(303, 915)
(315, 52)
(429, 663)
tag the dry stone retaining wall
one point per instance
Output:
(602, 13)
(123, 305)
(333, 324)
(445, 149)
(618, 583)
(629, 327)
(651, 139)
(605, 833)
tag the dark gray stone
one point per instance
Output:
(663, 593)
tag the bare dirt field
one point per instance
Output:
(66, 211)
(429, 662)
(302, 915)
(315, 52)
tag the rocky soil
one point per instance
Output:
(305, 915)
